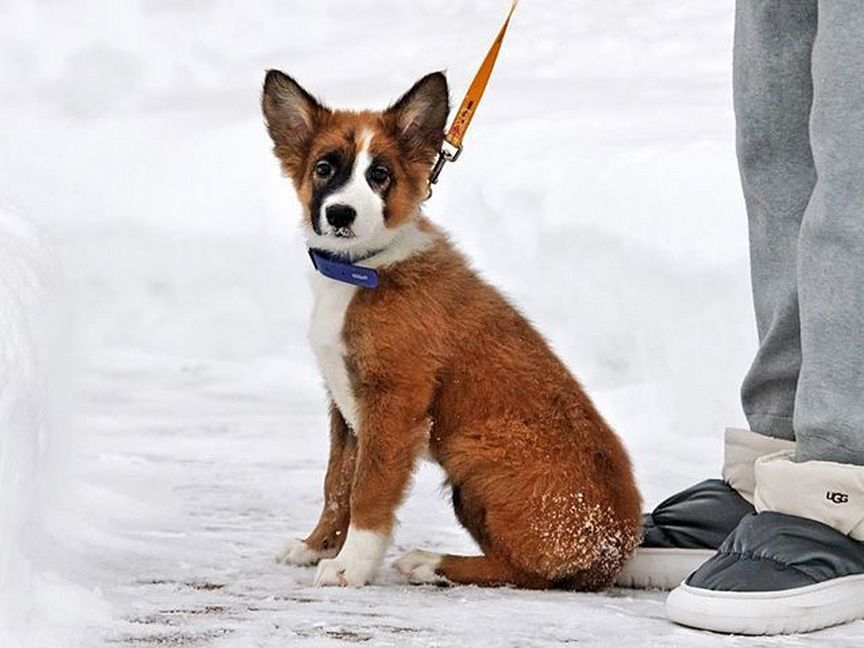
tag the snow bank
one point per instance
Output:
(23, 268)
(34, 597)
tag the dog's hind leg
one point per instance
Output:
(329, 534)
(484, 571)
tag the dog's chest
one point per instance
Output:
(332, 299)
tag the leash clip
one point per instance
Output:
(451, 148)
(448, 153)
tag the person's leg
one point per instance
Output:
(798, 563)
(829, 408)
(773, 92)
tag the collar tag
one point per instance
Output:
(333, 268)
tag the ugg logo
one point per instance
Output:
(837, 498)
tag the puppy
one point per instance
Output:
(426, 358)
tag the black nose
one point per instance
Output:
(340, 216)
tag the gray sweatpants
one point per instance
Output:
(799, 104)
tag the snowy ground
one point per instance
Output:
(598, 188)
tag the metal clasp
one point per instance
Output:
(446, 155)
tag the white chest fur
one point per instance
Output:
(328, 320)
(332, 299)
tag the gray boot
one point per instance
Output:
(794, 566)
(686, 529)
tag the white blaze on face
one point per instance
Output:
(368, 227)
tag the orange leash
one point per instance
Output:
(469, 105)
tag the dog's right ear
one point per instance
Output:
(291, 114)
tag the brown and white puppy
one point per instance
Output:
(436, 361)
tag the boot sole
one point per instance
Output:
(802, 609)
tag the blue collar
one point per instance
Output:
(333, 267)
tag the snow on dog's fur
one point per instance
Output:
(435, 360)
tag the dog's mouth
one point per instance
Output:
(344, 233)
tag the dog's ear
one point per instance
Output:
(420, 115)
(291, 114)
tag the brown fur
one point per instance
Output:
(438, 357)
(329, 533)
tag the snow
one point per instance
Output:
(598, 188)
(20, 415)
(39, 602)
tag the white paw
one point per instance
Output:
(299, 553)
(419, 566)
(357, 563)
(345, 573)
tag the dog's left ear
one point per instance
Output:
(420, 115)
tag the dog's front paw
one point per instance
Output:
(345, 573)
(357, 562)
(299, 553)
(419, 566)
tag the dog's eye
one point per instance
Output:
(379, 175)
(324, 169)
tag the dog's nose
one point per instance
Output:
(340, 216)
